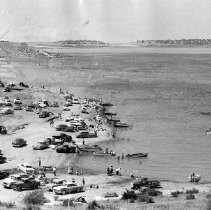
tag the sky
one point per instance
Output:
(105, 20)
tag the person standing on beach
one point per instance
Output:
(111, 170)
(51, 123)
(54, 171)
(83, 141)
(39, 162)
(83, 182)
(108, 171)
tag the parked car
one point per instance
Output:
(55, 183)
(145, 182)
(23, 85)
(7, 89)
(8, 182)
(44, 114)
(75, 101)
(17, 107)
(84, 111)
(65, 128)
(68, 188)
(26, 168)
(86, 134)
(66, 108)
(7, 111)
(26, 184)
(19, 142)
(46, 141)
(40, 146)
(65, 137)
(17, 101)
(7, 103)
(4, 174)
(55, 104)
(2, 159)
(29, 109)
(3, 130)
(66, 149)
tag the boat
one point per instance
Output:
(106, 104)
(103, 154)
(208, 132)
(205, 113)
(87, 148)
(194, 178)
(110, 113)
(121, 124)
(137, 155)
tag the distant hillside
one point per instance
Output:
(82, 43)
(175, 43)
(15, 49)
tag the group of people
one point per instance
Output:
(71, 171)
(110, 171)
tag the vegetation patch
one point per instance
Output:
(129, 194)
(192, 191)
(93, 205)
(190, 197)
(35, 198)
(175, 194)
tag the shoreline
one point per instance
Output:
(37, 129)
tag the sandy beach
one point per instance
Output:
(27, 125)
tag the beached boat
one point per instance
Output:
(102, 154)
(106, 104)
(137, 155)
(121, 125)
(87, 148)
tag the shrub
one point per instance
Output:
(129, 194)
(152, 192)
(190, 197)
(68, 202)
(132, 200)
(192, 191)
(175, 194)
(35, 198)
(31, 207)
(93, 205)
(7, 204)
(145, 198)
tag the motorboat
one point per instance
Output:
(122, 124)
(106, 104)
(194, 178)
(87, 148)
(137, 155)
(103, 154)
(208, 132)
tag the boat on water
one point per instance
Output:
(121, 124)
(103, 154)
(208, 132)
(194, 178)
(110, 114)
(87, 148)
(137, 155)
(106, 104)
